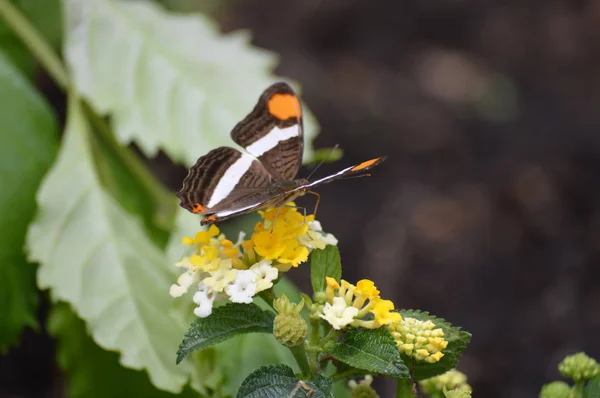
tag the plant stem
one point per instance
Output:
(405, 389)
(268, 296)
(347, 374)
(578, 389)
(300, 355)
(38, 46)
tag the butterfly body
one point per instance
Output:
(227, 182)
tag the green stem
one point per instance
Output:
(38, 46)
(346, 374)
(314, 332)
(268, 296)
(578, 389)
(405, 389)
(300, 355)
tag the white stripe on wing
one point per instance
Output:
(230, 179)
(273, 138)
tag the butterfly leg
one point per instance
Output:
(318, 201)
(290, 207)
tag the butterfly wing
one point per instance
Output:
(272, 132)
(347, 172)
(225, 182)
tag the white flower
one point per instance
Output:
(240, 239)
(316, 240)
(265, 274)
(331, 240)
(183, 284)
(315, 226)
(244, 287)
(185, 263)
(204, 298)
(339, 314)
(220, 278)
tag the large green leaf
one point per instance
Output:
(593, 388)
(241, 355)
(224, 323)
(276, 381)
(96, 256)
(45, 16)
(170, 81)
(91, 371)
(28, 132)
(323, 263)
(372, 350)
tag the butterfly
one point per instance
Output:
(227, 182)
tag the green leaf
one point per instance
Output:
(96, 257)
(29, 144)
(224, 323)
(276, 381)
(256, 349)
(169, 81)
(155, 204)
(91, 371)
(457, 342)
(327, 155)
(324, 263)
(373, 350)
(592, 389)
(46, 16)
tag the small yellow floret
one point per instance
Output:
(268, 245)
(382, 310)
(366, 288)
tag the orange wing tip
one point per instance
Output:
(367, 164)
(284, 106)
(197, 208)
(208, 220)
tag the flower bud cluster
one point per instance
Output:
(419, 339)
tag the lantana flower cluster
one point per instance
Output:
(220, 270)
(419, 339)
(357, 305)
(451, 380)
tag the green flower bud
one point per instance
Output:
(289, 328)
(363, 389)
(419, 339)
(556, 389)
(457, 393)
(579, 367)
(453, 380)
(320, 297)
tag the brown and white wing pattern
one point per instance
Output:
(272, 132)
(225, 179)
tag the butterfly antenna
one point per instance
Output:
(323, 161)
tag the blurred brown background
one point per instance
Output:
(487, 211)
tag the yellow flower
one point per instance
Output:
(366, 288)
(293, 254)
(268, 245)
(382, 310)
(202, 237)
(228, 249)
(332, 285)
